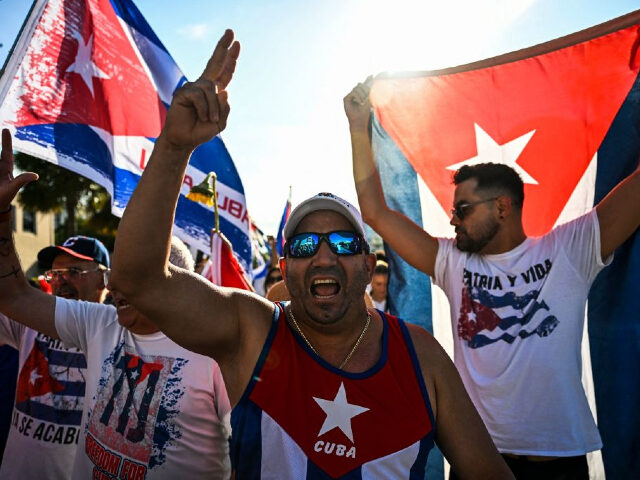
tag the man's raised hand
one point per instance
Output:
(10, 186)
(200, 109)
(357, 105)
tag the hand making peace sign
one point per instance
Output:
(200, 109)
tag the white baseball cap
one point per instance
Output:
(324, 201)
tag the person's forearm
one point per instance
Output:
(144, 234)
(365, 176)
(12, 280)
(18, 300)
(619, 213)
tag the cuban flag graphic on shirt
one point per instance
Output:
(88, 87)
(565, 115)
(133, 419)
(51, 383)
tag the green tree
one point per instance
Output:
(87, 205)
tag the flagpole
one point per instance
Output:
(15, 42)
(216, 229)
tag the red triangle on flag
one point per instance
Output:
(223, 269)
(85, 70)
(530, 113)
(34, 379)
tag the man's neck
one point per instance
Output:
(505, 241)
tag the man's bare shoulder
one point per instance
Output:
(429, 351)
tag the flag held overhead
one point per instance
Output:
(565, 115)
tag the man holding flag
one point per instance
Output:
(517, 303)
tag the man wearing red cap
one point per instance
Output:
(75, 269)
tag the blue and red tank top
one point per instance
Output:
(302, 418)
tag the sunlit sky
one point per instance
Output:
(300, 57)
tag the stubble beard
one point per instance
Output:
(485, 235)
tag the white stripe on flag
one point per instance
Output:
(154, 60)
(396, 465)
(286, 461)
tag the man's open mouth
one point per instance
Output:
(324, 287)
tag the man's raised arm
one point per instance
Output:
(619, 213)
(196, 314)
(411, 242)
(18, 300)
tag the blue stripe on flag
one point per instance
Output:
(71, 389)
(124, 183)
(614, 303)
(409, 289)
(75, 141)
(196, 220)
(247, 461)
(61, 357)
(283, 221)
(213, 156)
(128, 12)
(48, 413)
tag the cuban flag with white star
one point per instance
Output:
(88, 87)
(566, 116)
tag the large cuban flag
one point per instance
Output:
(87, 87)
(566, 116)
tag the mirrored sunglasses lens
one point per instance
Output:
(304, 245)
(344, 243)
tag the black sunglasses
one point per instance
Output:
(463, 209)
(340, 242)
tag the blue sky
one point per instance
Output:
(300, 57)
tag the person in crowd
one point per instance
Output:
(378, 287)
(381, 256)
(50, 388)
(517, 303)
(315, 383)
(154, 409)
(273, 276)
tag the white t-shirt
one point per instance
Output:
(45, 425)
(154, 409)
(518, 321)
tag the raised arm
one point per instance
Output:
(196, 314)
(18, 300)
(619, 213)
(411, 242)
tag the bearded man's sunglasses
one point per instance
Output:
(463, 209)
(341, 242)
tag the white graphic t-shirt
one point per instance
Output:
(45, 425)
(518, 321)
(154, 409)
